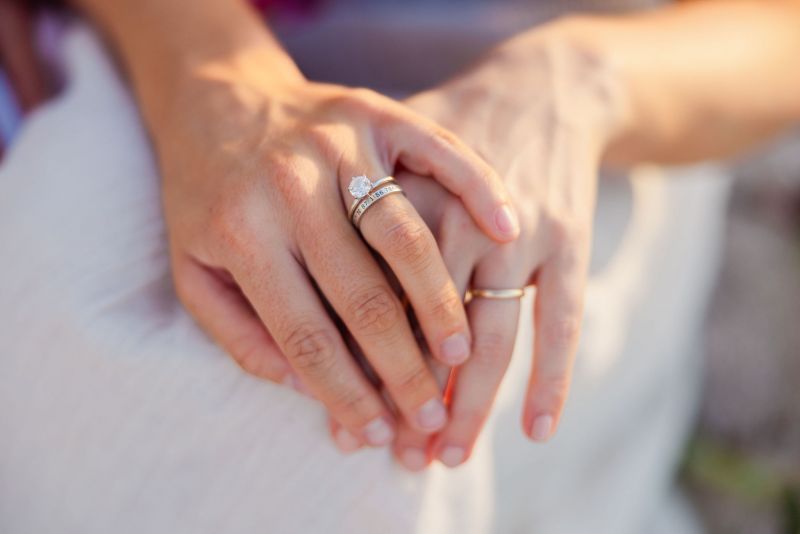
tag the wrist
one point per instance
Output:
(172, 50)
(578, 82)
(586, 37)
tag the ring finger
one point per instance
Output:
(494, 324)
(361, 296)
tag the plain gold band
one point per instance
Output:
(496, 294)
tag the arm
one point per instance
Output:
(165, 45)
(684, 82)
(702, 79)
(255, 161)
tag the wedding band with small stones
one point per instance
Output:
(367, 193)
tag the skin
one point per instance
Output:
(549, 156)
(585, 93)
(255, 161)
(548, 107)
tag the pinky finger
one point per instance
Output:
(412, 448)
(558, 311)
(224, 313)
(345, 440)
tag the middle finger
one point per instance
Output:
(396, 231)
(494, 324)
(358, 291)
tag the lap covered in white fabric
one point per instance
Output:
(117, 413)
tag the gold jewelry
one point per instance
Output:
(495, 294)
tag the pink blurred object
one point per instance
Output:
(289, 6)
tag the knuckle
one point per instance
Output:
(309, 348)
(228, 226)
(411, 243)
(355, 406)
(414, 380)
(358, 101)
(325, 138)
(374, 310)
(448, 308)
(286, 179)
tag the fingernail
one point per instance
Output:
(414, 459)
(506, 221)
(455, 349)
(346, 441)
(452, 456)
(541, 428)
(378, 432)
(432, 415)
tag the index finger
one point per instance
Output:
(428, 149)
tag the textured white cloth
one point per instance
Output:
(118, 415)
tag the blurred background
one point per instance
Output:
(742, 468)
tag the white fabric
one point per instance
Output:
(118, 415)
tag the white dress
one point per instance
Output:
(118, 415)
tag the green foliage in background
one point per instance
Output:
(745, 479)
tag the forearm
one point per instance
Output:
(164, 43)
(701, 79)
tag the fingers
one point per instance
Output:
(411, 448)
(494, 324)
(223, 312)
(396, 231)
(286, 303)
(361, 296)
(427, 149)
(344, 440)
(557, 314)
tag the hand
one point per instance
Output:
(255, 177)
(544, 133)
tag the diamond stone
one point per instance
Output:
(359, 186)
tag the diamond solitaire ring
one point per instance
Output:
(360, 187)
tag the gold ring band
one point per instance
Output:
(496, 294)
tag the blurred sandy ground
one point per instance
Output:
(743, 469)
